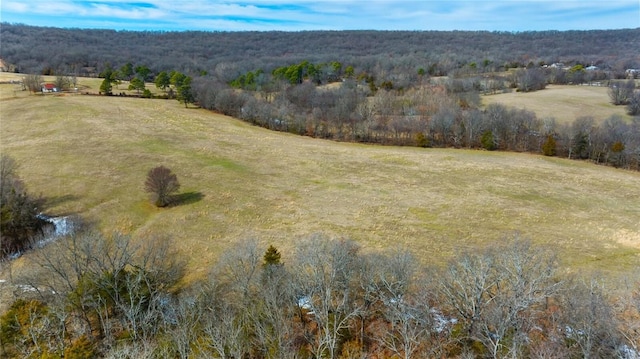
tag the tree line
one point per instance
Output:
(92, 295)
(436, 113)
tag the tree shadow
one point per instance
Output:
(186, 198)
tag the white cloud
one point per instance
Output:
(509, 15)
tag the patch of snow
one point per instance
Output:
(62, 226)
(441, 322)
(627, 352)
(27, 288)
(305, 303)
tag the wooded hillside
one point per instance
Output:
(34, 49)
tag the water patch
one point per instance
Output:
(59, 227)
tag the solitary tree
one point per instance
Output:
(161, 183)
(621, 92)
(32, 82)
(271, 256)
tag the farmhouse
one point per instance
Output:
(49, 87)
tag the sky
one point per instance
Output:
(302, 15)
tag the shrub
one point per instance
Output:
(549, 146)
(633, 107)
(161, 183)
(18, 211)
(23, 328)
(81, 348)
(488, 141)
(421, 140)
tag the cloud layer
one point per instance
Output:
(212, 15)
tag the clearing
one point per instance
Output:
(89, 155)
(565, 103)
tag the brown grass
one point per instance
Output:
(563, 102)
(89, 155)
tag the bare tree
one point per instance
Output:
(405, 306)
(499, 294)
(32, 83)
(589, 320)
(620, 92)
(108, 284)
(628, 310)
(325, 272)
(161, 183)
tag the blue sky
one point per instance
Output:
(214, 15)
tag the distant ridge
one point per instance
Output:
(34, 49)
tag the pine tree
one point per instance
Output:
(549, 146)
(272, 256)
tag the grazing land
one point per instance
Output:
(88, 155)
(565, 103)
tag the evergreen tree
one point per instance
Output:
(185, 94)
(163, 81)
(272, 256)
(488, 141)
(137, 84)
(549, 146)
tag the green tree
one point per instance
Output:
(143, 71)
(19, 220)
(137, 84)
(272, 256)
(110, 78)
(126, 71)
(421, 140)
(24, 328)
(185, 94)
(349, 71)
(549, 146)
(488, 141)
(163, 81)
(176, 78)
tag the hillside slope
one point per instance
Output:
(89, 156)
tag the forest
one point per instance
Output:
(226, 55)
(113, 297)
(91, 294)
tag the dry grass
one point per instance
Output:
(14, 90)
(563, 102)
(89, 155)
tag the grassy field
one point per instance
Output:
(13, 90)
(565, 103)
(89, 155)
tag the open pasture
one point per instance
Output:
(565, 103)
(89, 155)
